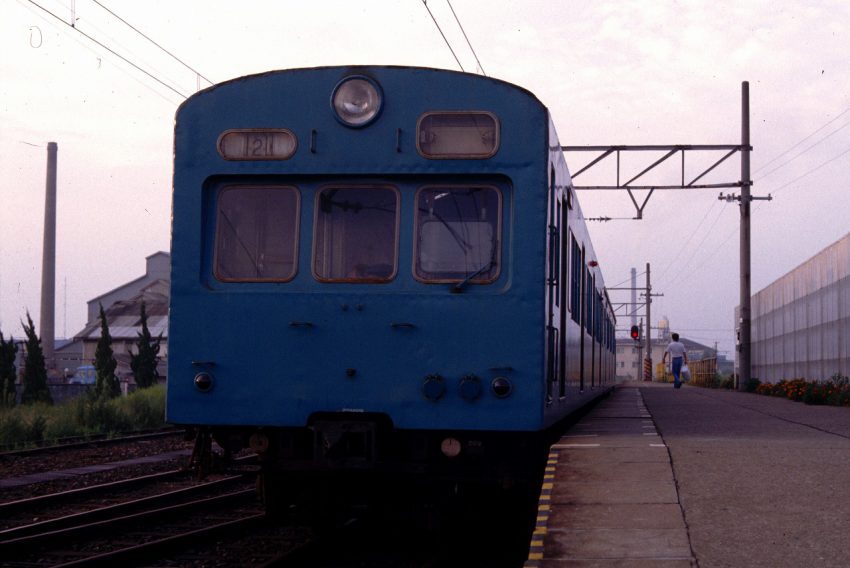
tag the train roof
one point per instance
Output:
(341, 71)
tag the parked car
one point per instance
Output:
(85, 375)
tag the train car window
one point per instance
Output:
(457, 234)
(256, 234)
(355, 236)
(457, 135)
(575, 279)
(598, 317)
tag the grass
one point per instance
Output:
(31, 425)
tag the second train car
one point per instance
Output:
(379, 269)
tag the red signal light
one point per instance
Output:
(635, 332)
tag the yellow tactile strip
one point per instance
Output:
(544, 508)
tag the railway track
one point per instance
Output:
(95, 441)
(150, 527)
(170, 519)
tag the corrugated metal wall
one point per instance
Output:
(801, 322)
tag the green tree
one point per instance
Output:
(143, 363)
(35, 371)
(106, 383)
(8, 350)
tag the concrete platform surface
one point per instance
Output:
(655, 476)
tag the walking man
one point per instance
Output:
(678, 356)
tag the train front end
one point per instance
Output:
(358, 270)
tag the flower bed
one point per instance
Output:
(834, 391)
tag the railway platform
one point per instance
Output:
(655, 476)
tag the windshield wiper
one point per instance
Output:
(460, 285)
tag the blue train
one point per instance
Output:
(379, 270)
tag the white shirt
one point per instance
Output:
(676, 349)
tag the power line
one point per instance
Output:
(824, 139)
(626, 280)
(687, 242)
(842, 113)
(811, 171)
(132, 27)
(464, 37)
(684, 277)
(681, 274)
(425, 3)
(110, 50)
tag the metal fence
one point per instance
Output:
(703, 372)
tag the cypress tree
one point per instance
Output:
(8, 350)
(143, 363)
(35, 370)
(106, 383)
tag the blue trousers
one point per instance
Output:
(677, 371)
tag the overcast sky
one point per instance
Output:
(625, 72)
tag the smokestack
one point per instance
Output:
(48, 262)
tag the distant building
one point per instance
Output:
(122, 307)
(801, 322)
(157, 269)
(631, 353)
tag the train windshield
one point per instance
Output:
(356, 234)
(457, 234)
(256, 231)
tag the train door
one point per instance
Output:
(591, 327)
(583, 322)
(562, 278)
(551, 283)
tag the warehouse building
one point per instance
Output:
(801, 322)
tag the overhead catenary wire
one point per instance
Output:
(132, 27)
(109, 49)
(811, 171)
(797, 155)
(839, 115)
(93, 48)
(687, 242)
(463, 31)
(445, 39)
(684, 275)
(626, 280)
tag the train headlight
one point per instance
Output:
(502, 387)
(357, 101)
(203, 382)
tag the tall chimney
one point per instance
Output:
(48, 262)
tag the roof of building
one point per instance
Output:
(134, 281)
(124, 317)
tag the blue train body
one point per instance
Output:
(419, 279)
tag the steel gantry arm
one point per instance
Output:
(671, 150)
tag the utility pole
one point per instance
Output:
(746, 361)
(648, 361)
(745, 318)
(639, 370)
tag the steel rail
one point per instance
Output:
(91, 442)
(83, 492)
(69, 526)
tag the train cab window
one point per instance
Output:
(457, 234)
(356, 234)
(457, 135)
(256, 234)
